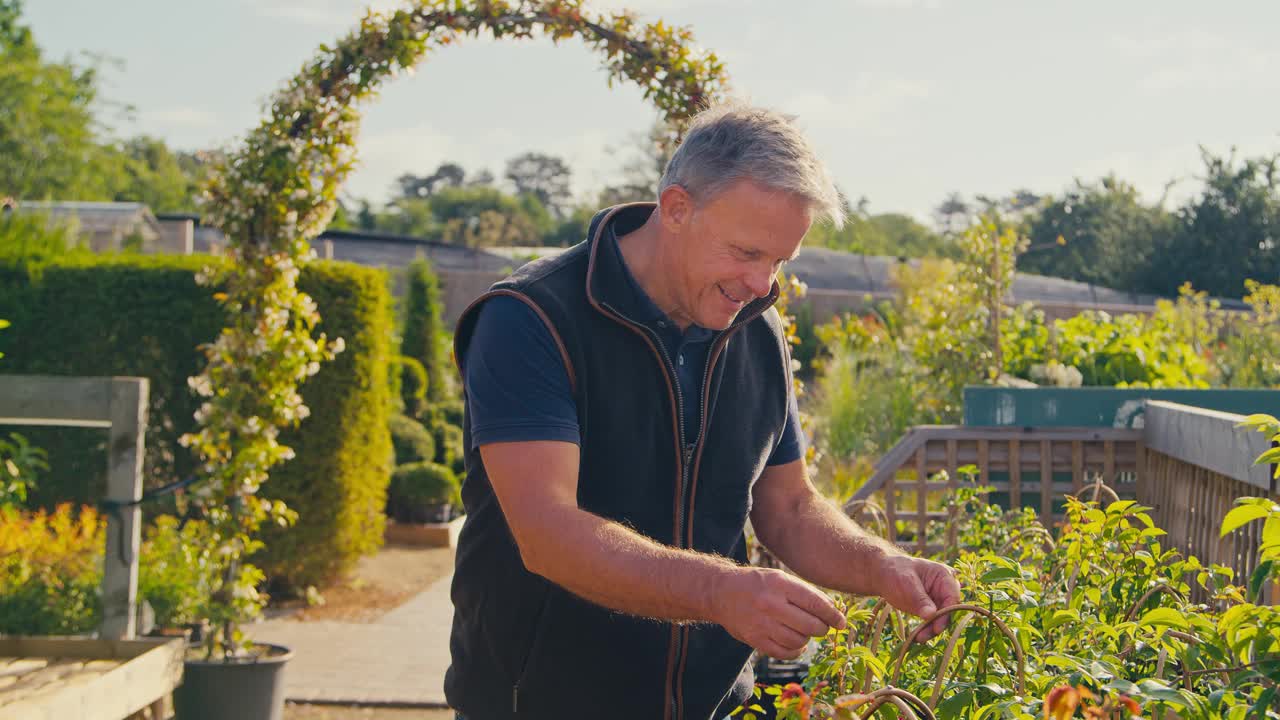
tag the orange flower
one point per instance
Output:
(791, 690)
(1061, 703)
(1131, 705)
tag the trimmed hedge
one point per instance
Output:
(416, 487)
(423, 327)
(411, 441)
(145, 316)
(410, 383)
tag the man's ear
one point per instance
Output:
(676, 207)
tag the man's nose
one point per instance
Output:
(759, 282)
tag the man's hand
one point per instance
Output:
(919, 587)
(772, 611)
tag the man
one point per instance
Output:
(629, 406)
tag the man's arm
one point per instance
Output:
(611, 565)
(813, 537)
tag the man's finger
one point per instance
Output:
(802, 621)
(788, 638)
(817, 605)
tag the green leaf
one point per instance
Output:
(1121, 685)
(1241, 516)
(1268, 457)
(1060, 617)
(1156, 690)
(1258, 420)
(1163, 616)
(1259, 577)
(956, 704)
(998, 574)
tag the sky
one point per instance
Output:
(906, 101)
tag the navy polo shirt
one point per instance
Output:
(518, 389)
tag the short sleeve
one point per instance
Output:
(791, 445)
(515, 380)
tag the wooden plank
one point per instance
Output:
(908, 486)
(1015, 475)
(51, 399)
(124, 526)
(118, 693)
(953, 481)
(890, 505)
(1077, 467)
(1046, 479)
(1109, 463)
(889, 463)
(1139, 475)
(1209, 439)
(922, 500)
(984, 472)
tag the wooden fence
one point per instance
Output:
(1016, 462)
(1188, 464)
(1198, 462)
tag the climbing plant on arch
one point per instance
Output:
(277, 191)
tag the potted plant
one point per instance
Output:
(423, 492)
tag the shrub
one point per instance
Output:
(450, 411)
(423, 327)
(50, 570)
(411, 441)
(145, 316)
(174, 573)
(417, 488)
(448, 439)
(409, 385)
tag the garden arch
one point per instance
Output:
(278, 190)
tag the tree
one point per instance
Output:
(1230, 233)
(650, 153)
(544, 177)
(485, 216)
(891, 234)
(449, 174)
(953, 214)
(48, 137)
(154, 175)
(422, 326)
(1099, 233)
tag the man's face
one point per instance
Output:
(733, 245)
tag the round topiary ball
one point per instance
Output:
(423, 492)
(412, 442)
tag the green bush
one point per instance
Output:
(412, 386)
(418, 488)
(450, 411)
(411, 441)
(50, 570)
(423, 327)
(36, 235)
(145, 316)
(448, 439)
(173, 572)
(338, 482)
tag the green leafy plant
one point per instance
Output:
(418, 489)
(20, 464)
(50, 570)
(411, 441)
(1093, 620)
(176, 571)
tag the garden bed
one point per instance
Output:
(56, 678)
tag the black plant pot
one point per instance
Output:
(248, 689)
(773, 672)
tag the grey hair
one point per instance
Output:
(735, 141)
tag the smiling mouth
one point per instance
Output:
(730, 297)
